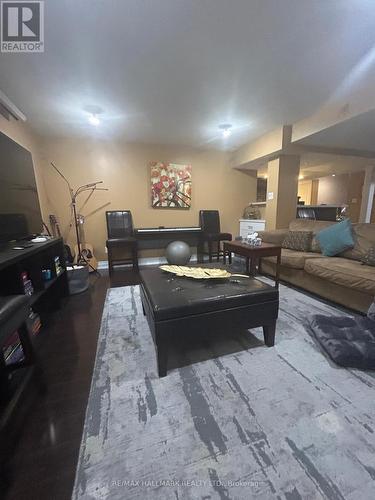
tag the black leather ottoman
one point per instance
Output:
(182, 306)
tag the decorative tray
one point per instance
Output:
(199, 273)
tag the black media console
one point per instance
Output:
(39, 269)
(32, 260)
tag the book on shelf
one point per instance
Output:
(12, 349)
(27, 284)
(8, 351)
(15, 356)
(34, 323)
(58, 267)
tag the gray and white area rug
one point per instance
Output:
(233, 419)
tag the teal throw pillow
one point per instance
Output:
(336, 238)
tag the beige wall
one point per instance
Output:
(268, 144)
(343, 189)
(314, 191)
(305, 191)
(333, 190)
(125, 172)
(356, 181)
(308, 191)
(124, 168)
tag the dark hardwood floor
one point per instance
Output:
(43, 461)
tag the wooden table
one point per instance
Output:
(253, 254)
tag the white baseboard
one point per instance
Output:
(102, 264)
(148, 261)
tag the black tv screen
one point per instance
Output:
(19, 199)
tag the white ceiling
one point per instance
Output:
(171, 71)
(355, 133)
(316, 165)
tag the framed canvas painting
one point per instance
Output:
(170, 185)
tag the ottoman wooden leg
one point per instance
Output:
(269, 334)
(247, 265)
(162, 360)
(135, 257)
(162, 355)
(253, 266)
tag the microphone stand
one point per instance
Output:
(73, 196)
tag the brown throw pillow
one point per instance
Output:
(298, 240)
(315, 247)
(369, 258)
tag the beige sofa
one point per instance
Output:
(342, 279)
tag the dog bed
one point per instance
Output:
(349, 342)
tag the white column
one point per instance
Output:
(368, 192)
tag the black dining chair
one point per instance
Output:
(306, 213)
(121, 237)
(209, 221)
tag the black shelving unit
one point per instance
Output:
(33, 260)
(47, 296)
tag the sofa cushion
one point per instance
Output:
(310, 225)
(369, 257)
(298, 240)
(293, 259)
(336, 239)
(274, 236)
(364, 239)
(344, 272)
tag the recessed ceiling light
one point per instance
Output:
(94, 120)
(333, 175)
(226, 130)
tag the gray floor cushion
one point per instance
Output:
(348, 341)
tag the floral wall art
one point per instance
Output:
(170, 185)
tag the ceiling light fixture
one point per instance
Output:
(333, 175)
(226, 130)
(300, 177)
(94, 120)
